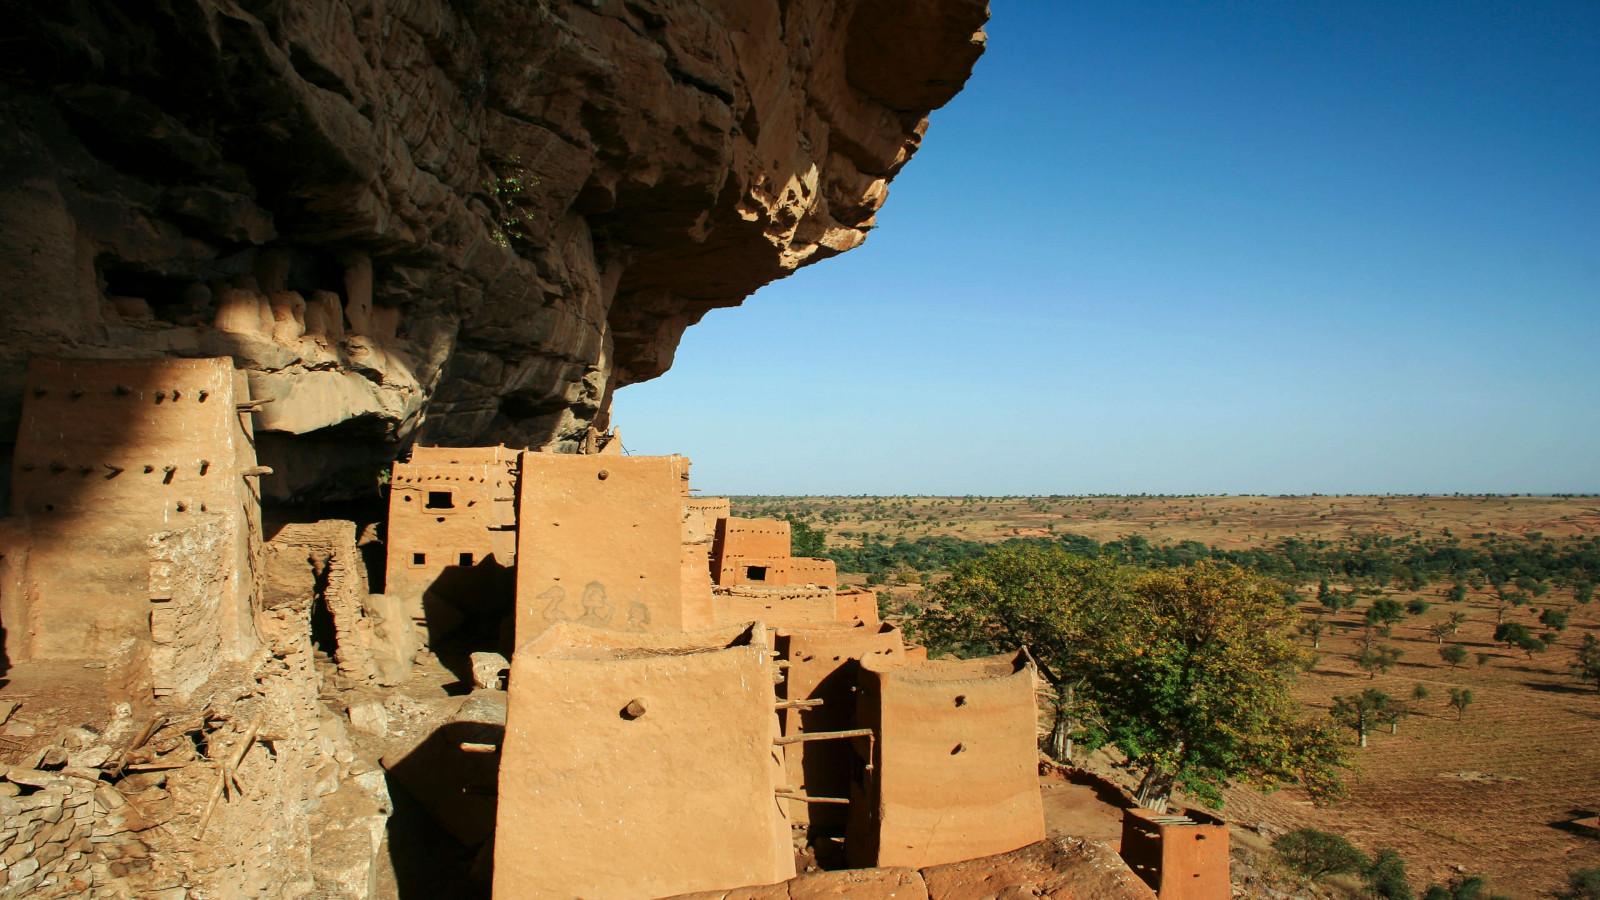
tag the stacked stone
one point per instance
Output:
(49, 833)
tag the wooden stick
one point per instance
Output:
(155, 724)
(225, 771)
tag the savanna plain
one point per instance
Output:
(1486, 760)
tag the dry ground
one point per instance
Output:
(1493, 793)
(1227, 522)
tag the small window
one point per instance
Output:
(755, 573)
(441, 500)
(466, 559)
(419, 559)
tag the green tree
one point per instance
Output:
(1583, 591)
(1458, 593)
(1334, 601)
(1512, 634)
(1483, 659)
(1188, 671)
(1417, 606)
(1374, 660)
(1386, 877)
(1453, 654)
(1313, 629)
(1553, 618)
(1587, 663)
(1385, 611)
(1314, 854)
(1420, 692)
(1360, 712)
(805, 541)
(1460, 699)
(1584, 884)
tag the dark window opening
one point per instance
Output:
(755, 573)
(440, 500)
(466, 559)
(419, 559)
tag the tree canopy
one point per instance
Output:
(1188, 671)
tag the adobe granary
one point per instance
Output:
(135, 520)
(954, 769)
(640, 766)
(1181, 856)
(452, 544)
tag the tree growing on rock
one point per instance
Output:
(1188, 671)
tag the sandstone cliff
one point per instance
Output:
(454, 221)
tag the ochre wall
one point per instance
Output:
(439, 592)
(780, 607)
(599, 804)
(856, 605)
(1180, 860)
(822, 666)
(109, 453)
(600, 542)
(956, 767)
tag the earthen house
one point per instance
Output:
(452, 534)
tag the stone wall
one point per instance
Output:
(459, 220)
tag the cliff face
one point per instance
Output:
(456, 221)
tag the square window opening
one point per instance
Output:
(755, 573)
(441, 500)
(419, 559)
(466, 559)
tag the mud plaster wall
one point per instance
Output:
(822, 666)
(451, 533)
(600, 542)
(1179, 861)
(957, 761)
(597, 803)
(109, 453)
(855, 605)
(779, 607)
(700, 515)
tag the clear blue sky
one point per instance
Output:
(1195, 247)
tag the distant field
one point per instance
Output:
(1492, 793)
(1231, 522)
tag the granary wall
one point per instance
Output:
(639, 766)
(1182, 857)
(109, 453)
(955, 766)
(600, 543)
(822, 667)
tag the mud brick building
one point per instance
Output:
(135, 518)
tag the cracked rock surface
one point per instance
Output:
(454, 221)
